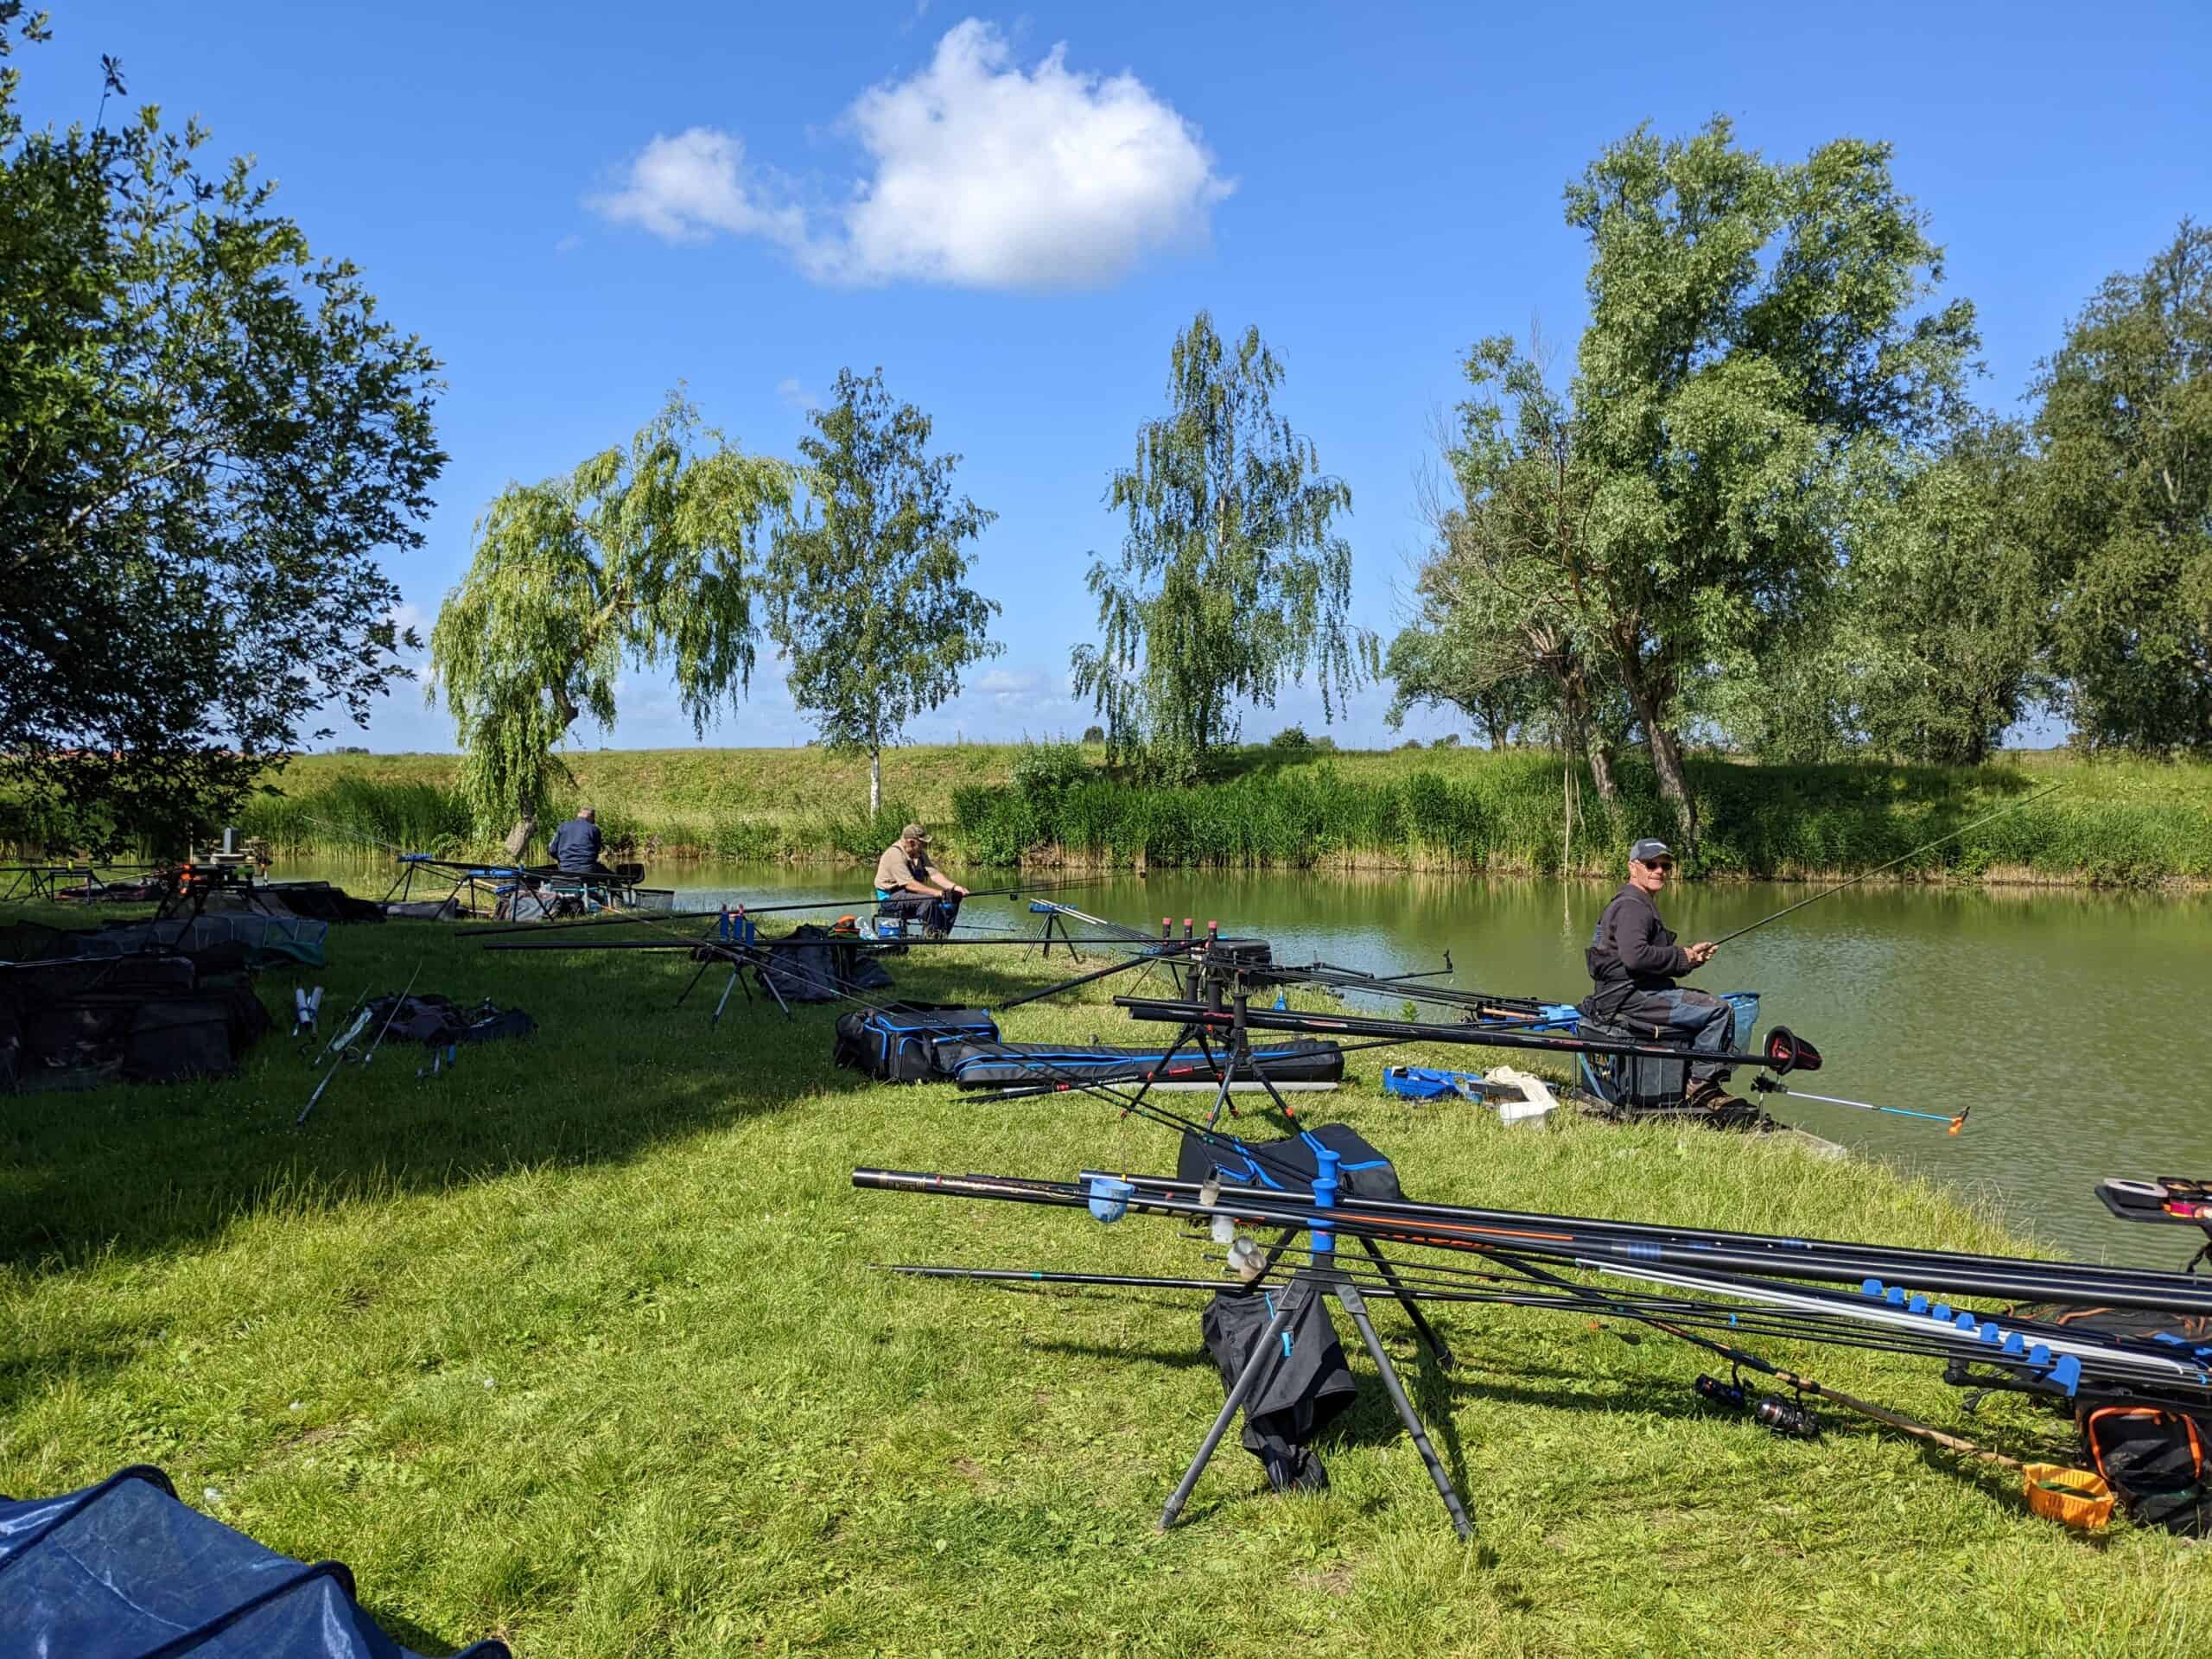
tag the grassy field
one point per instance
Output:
(2115, 821)
(580, 1344)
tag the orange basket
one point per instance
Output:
(2073, 1497)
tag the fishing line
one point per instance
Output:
(2000, 812)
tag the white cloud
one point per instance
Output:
(796, 396)
(686, 188)
(1008, 683)
(983, 174)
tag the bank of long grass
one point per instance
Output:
(2114, 823)
(579, 1343)
(2120, 822)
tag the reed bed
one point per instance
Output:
(2117, 823)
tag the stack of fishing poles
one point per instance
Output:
(1738, 1286)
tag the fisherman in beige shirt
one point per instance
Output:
(908, 886)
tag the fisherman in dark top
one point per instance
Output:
(908, 885)
(575, 845)
(1634, 962)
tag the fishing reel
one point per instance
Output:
(1790, 1419)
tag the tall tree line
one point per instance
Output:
(1762, 510)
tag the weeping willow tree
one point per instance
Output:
(1232, 579)
(641, 556)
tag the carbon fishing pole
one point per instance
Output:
(1784, 1050)
(2045, 1356)
(744, 910)
(1841, 887)
(1592, 1243)
(756, 945)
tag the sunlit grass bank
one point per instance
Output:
(2114, 823)
(579, 1343)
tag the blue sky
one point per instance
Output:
(1013, 212)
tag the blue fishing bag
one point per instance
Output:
(1427, 1082)
(123, 1568)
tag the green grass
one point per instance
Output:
(580, 1344)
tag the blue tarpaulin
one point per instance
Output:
(123, 1571)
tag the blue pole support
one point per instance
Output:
(1324, 1196)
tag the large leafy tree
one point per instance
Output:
(1926, 648)
(1232, 578)
(1502, 627)
(207, 435)
(869, 581)
(2124, 503)
(1763, 342)
(642, 555)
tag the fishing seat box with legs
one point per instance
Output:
(1635, 1084)
(899, 1042)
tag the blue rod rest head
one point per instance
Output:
(1943, 1311)
(1917, 1304)
(1109, 1196)
(1870, 1287)
(1965, 1322)
(2067, 1374)
(1325, 1163)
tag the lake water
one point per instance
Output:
(2074, 1024)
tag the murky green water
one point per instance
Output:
(2074, 1024)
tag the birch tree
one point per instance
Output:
(870, 601)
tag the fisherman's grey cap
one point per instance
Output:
(1646, 852)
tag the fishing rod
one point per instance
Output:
(743, 910)
(770, 944)
(1784, 1050)
(1595, 1246)
(354, 834)
(2000, 812)
(1956, 1121)
(2045, 1356)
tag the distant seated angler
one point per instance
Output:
(575, 845)
(908, 886)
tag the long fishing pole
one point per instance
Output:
(740, 910)
(786, 943)
(2000, 812)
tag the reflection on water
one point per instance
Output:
(2073, 1023)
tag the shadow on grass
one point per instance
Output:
(614, 1070)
